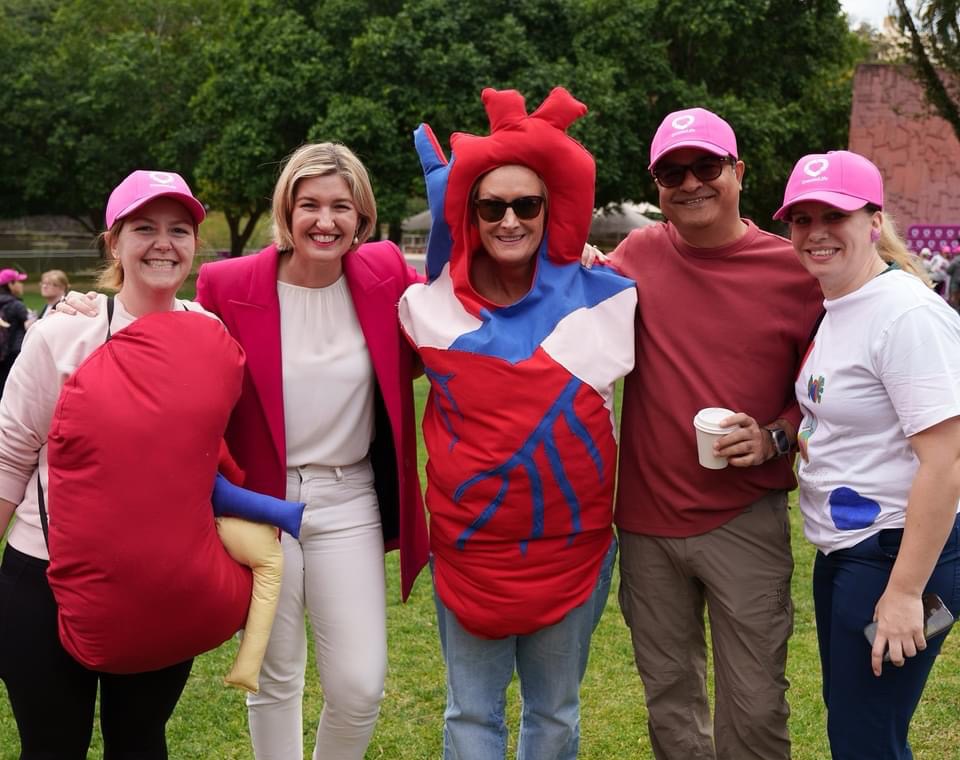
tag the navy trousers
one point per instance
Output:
(868, 717)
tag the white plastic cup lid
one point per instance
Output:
(708, 419)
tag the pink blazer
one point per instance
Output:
(243, 292)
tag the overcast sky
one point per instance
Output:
(871, 11)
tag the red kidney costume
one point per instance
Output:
(141, 578)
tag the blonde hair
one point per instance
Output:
(111, 276)
(893, 250)
(57, 277)
(318, 160)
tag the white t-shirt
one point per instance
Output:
(885, 365)
(327, 376)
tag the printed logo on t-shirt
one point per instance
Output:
(815, 388)
(807, 428)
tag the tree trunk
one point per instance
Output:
(240, 237)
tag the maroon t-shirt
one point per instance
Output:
(721, 327)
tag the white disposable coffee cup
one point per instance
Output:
(707, 425)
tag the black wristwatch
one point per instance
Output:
(781, 444)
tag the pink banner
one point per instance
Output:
(936, 237)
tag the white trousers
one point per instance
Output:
(334, 573)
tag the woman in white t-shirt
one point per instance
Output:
(880, 453)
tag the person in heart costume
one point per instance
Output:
(522, 347)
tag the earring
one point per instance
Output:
(874, 235)
(356, 239)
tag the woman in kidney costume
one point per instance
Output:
(113, 427)
(326, 415)
(522, 347)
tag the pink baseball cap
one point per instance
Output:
(11, 275)
(142, 186)
(840, 178)
(693, 128)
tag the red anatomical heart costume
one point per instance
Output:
(518, 425)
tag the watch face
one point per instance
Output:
(780, 442)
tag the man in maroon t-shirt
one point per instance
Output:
(725, 314)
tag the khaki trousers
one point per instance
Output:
(741, 573)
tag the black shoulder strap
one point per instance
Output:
(43, 512)
(816, 326)
(41, 504)
(109, 316)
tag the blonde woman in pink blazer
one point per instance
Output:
(326, 417)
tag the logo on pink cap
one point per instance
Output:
(815, 167)
(142, 186)
(842, 179)
(163, 179)
(693, 128)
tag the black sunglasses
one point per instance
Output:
(525, 207)
(705, 169)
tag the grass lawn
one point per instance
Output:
(210, 720)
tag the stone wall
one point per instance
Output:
(917, 152)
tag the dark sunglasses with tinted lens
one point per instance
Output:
(526, 207)
(705, 169)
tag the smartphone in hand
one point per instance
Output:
(936, 620)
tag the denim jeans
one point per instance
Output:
(550, 663)
(868, 717)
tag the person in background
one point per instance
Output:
(724, 318)
(880, 453)
(326, 417)
(54, 285)
(14, 316)
(936, 266)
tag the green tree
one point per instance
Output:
(934, 43)
(21, 37)
(104, 92)
(428, 60)
(222, 90)
(267, 81)
(623, 74)
(779, 71)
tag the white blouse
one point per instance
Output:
(327, 376)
